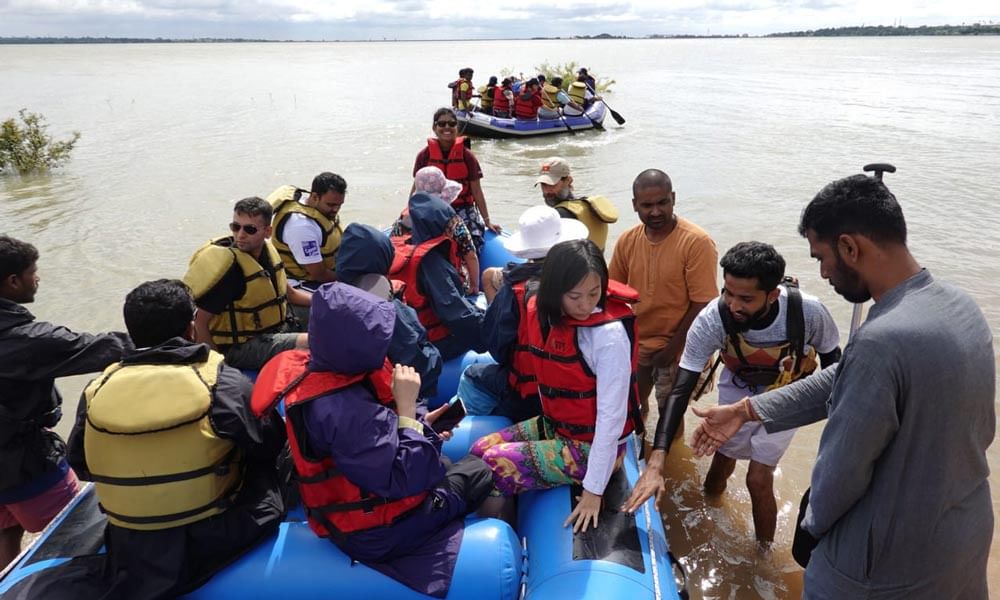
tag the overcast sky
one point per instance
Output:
(446, 19)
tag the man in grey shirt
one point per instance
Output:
(900, 499)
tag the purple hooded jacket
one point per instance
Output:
(349, 332)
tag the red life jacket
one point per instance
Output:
(500, 102)
(406, 267)
(453, 167)
(521, 376)
(335, 506)
(526, 106)
(566, 385)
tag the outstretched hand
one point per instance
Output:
(650, 482)
(588, 506)
(718, 425)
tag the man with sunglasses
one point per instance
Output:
(241, 291)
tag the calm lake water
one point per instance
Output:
(749, 130)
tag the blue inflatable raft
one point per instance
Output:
(488, 126)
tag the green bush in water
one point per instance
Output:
(26, 147)
(567, 71)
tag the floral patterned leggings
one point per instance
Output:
(530, 456)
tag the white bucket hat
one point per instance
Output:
(540, 228)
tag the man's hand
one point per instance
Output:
(650, 482)
(588, 506)
(719, 423)
(493, 227)
(405, 389)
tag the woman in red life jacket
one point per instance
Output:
(447, 151)
(582, 339)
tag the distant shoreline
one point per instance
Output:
(858, 31)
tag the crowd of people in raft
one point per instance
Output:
(349, 327)
(529, 99)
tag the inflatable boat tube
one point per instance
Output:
(292, 563)
(468, 431)
(626, 556)
(451, 371)
(494, 253)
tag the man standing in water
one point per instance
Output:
(900, 499)
(35, 480)
(769, 334)
(671, 262)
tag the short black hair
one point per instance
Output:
(651, 178)
(326, 181)
(157, 311)
(755, 260)
(444, 110)
(15, 256)
(493, 80)
(566, 265)
(858, 204)
(254, 206)
(557, 81)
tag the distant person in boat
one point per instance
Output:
(900, 500)
(526, 102)
(307, 229)
(448, 152)
(581, 98)
(769, 334)
(508, 388)
(371, 473)
(596, 212)
(36, 482)
(432, 181)
(585, 328)
(555, 101)
(239, 285)
(587, 79)
(187, 474)
(366, 252)
(427, 262)
(462, 90)
(486, 95)
(503, 99)
(672, 262)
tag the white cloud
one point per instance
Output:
(302, 19)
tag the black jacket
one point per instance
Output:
(169, 562)
(32, 354)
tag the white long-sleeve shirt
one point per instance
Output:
(607, 351)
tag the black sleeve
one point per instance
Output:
(229, 289)
(75, 455)
(831, 357)
(232, 418)
(672, 411)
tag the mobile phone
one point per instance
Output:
(450, 418)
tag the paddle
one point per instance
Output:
(559, 112)
(614, 114)
(878, 169)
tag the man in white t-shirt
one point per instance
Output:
(769, 335)
(307, 231)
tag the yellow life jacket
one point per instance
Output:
(578, 92)
(770, 367)
(261, 309)
(486, 96)
(156, 462)
(549, 99)
(285, 201)
(595, 212)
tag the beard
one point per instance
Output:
(848, 283)
(751, 320)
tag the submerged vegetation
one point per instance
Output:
(26, 147)
(568, 73)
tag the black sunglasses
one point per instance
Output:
(250, 229)
(446, 123)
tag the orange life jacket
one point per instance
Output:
(334, 506)
(406, 268)
(453, 166)
(566, 385)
